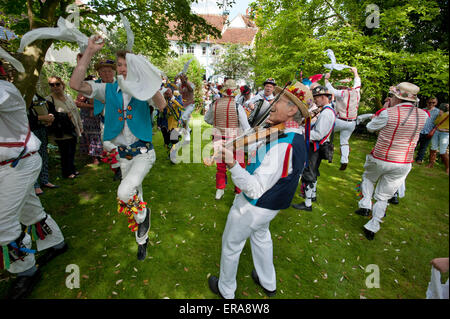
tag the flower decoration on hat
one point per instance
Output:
(299, 93)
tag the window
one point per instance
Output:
(190, 50)
(215, 51)
(180, 50)
(203, 50)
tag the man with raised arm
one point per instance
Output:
(128, 126)
(346, 107)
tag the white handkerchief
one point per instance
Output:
(65, 31)
(143, 78)
(334, 65)
(130, 34)
(15, 63)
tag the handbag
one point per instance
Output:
(326, 151)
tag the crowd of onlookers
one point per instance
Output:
(68, 123)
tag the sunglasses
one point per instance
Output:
(54, 84)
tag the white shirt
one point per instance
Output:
(126, 137)
(259, 96)
(267, 174)
(323, 125)
(378, 122)
(14, 122)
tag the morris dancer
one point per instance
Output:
(346, 107)
(320, 134)
(229, 120)
(390, 161)
(244, 97)
(175, 124)
(20, 165)
(268, 185)
(187, 93)
(261, 101)
(128, 126)
(106, 70)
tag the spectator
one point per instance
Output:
(40, 117)
(424, 140)
(91, 140)
(440, 137)
(67, 143)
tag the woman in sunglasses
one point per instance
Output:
(67, 143)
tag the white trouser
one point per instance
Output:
(186, 117)
(244, 221)
(390, 177)
(133, 174)
(185, 139)
(19, 204)
(346, 129)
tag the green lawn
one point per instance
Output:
(318, 254)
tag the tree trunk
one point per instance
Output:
(33, 56)
(32, 60)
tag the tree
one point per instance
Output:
(405, 46)
(234, 62)
(149, 20)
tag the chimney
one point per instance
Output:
(246, 12)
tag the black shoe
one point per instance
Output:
(363, 212)
(144, 226)
(343, 167)
(117, 175)
(50, 254)
(370, 235)
(213, 282)
(256, 280)
(394, 200)
(23, 285)
(142, 251)
(314, 199)
(302, 206)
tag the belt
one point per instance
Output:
(140, 147)
(346, 120)
(13, 159)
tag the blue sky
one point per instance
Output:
(210, 6)
(239, 7)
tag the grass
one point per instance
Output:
(318, 254)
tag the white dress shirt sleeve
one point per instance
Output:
(356, 82)
(265, 176)
(243, 120)
(378, 121)
(209, 116)
(98, 91)
(10, 98)
(332, 89)
(323, 125)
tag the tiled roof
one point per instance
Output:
(229, 35)
(237, 35)
(215, 20)
(248, 22)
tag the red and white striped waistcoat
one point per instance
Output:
(396, 142)
(226, 118)
(347, 104)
